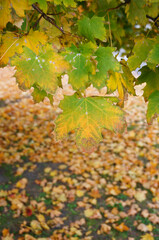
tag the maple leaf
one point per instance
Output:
(39, 95)
(41, 69)
(120, 81)
(140, 52)
(140, 195)
(153, 106)
(12, 44)
(87, 116)
(79, 59)
(153, 56)
(105, 62)
(20, 7)
(122, 227)
(147, 237)
(67, 3)
(152, 81)
(42, 4)
(92, 28)
(135, 12)
(5, 10)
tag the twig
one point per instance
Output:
(36, 23)
(47, 18)
(155, 20)
(121, 4)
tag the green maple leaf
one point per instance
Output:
(42, 69)
(135, 12)
(140, 52)
(153, 106)
(105, 62)
(153, 56)
(79, 59)
(67, 3)
(92, 28)
(151, 78)
(87, 116)
(39, 95)
(42, 4)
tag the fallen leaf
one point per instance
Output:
(145, 228)
(147, 237)
(22, 183)
(36, 227)
(140, 195)
(104, 228)
(95, 193)
(121, 228)
(80, 193)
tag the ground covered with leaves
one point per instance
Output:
(54, 191)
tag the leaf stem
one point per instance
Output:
(110, 34)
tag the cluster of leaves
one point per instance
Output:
(51, 190)
(48, 39)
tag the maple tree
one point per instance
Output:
(83, 38)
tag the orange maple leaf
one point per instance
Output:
(121, 228)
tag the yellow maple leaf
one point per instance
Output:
(22, 183)
(80, 193)
(120, 81)
(147, 237)
(115, 82)
(20, 6)
(12, 44)
(5, 10)
(36, 227)
(88, 212)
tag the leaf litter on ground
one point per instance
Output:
(52, 190)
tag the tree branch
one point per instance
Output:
(47, 18)
(155, 20)
(121, 4)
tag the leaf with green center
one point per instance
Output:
(105, 62)
(88, 116)
(42, 4)
(135, 12)
(92, 28)
(151, 78)
(153, 106)
(140, 52)
(79, 59)
(42, 69)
